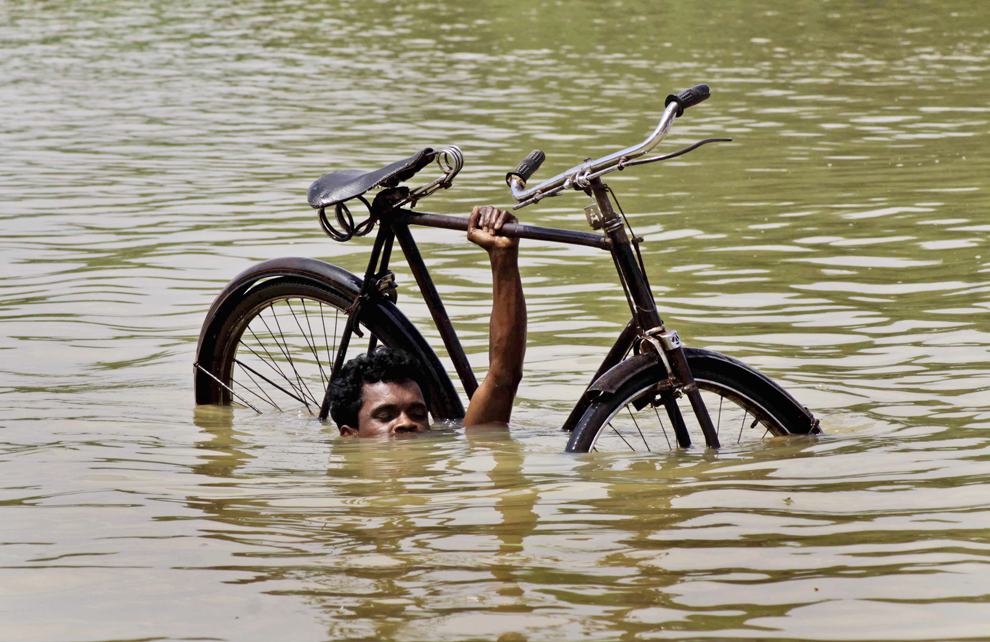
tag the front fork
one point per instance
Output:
(671, 350)
(645, 314)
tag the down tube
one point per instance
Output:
(435, 305)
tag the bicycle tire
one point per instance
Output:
(269, 353)
(749, 393)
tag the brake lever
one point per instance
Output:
(642, 161)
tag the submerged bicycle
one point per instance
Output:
(279, 331)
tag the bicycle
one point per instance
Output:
(261, 339)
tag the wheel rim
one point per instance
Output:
(738, 419)
(280, 353)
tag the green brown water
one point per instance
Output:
(149, 151)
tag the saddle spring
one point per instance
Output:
(346, 221)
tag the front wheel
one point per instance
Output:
(741, 401)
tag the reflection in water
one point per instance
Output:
(152, 151)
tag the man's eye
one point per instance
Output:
(385, 416)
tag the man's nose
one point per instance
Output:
(405, 422)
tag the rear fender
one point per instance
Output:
(446, 401)
(324, 274)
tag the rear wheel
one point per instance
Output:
(744, 406)
(276, 347)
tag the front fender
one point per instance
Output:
(623, 344)
(612, 380)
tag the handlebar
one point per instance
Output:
(689, 97)
(579, 175)
(528, 166)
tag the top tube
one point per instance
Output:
(512, 230)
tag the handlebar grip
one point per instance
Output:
(688, 98)
(528, 166)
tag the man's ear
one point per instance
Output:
(347, 431)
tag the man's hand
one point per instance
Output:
(492, 401)
(483, 227)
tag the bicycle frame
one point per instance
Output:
(645, 331)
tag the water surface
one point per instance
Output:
(152, 150)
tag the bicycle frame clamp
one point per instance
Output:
(580, 180)
(354, 312)
(669, 339)
(386, 286)
(612, 224)
(661, 341)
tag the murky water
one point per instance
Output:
(150, 151)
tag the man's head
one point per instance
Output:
(379, 394)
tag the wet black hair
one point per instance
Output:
(385, 364)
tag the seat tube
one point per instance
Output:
(383, 239)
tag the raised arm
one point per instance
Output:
(492, 402)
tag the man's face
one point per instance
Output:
(390, 408)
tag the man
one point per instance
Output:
(379, 394)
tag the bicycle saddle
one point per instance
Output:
(338, 187)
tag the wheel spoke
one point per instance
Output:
(636, 423)
(298, 397)
(669, 447)
(227, 388)
(250, 369)
(326, 341)
(620, 436)
(278, 324)
(267, 398)
(271, 363)
(336, 314)
(719, 424)
(285, 353)
(311, 344)
(612, 431)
